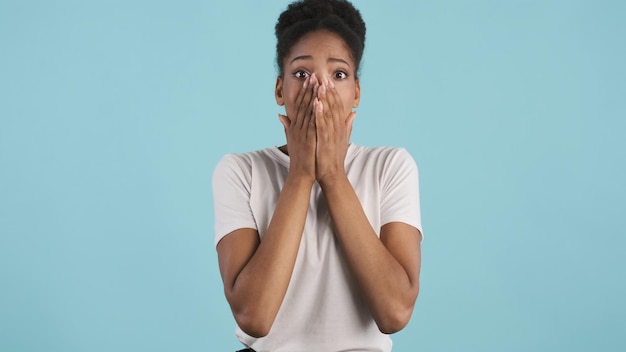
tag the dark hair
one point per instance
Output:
(305, 16)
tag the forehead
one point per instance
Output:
(321, 43)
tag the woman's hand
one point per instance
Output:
(334, 126)
(300, 132)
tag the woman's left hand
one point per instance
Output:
(334, 126)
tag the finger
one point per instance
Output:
(302, 91)
(319, 115)
(284, 120)
(312, 130)
(308, 121)
(315, 80)
(305, 108)
(331, 84)
(300, 100)
(308, 117)
(315, 84)
(314, 112)
(334, 106)
(323, 97)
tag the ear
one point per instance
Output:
(357, 94)
(278, 92)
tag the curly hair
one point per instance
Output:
(305, 16)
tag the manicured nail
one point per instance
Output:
(306, 82)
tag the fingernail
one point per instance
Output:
(306, 82)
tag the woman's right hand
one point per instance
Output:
(301, 132)
(256, 273)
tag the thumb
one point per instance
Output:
(284, 120)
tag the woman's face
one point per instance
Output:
(325, 55)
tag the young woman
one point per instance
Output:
(318, 240)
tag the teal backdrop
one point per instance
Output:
(113, 115)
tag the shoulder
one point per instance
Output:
(384, 156)
(244, 162)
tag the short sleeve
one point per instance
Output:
(400, 190)
(231, 196)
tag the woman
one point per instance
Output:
(318, 240)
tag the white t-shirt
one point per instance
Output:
(322, 309)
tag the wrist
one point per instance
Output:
(333, 179)
(299, 179)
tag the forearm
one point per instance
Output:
(259, 289)
(386, 286)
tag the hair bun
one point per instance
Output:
(301, 17)
(318, 9)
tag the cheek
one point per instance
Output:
(292, 95)
(292, 88)
(290, 92)
(347, 99)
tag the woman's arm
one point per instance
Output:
(386, 269)
(256, 273)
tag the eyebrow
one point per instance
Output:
(309, 57)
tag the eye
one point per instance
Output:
(301, 74)
(340, 75)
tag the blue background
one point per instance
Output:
(114, 114)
